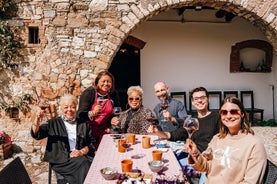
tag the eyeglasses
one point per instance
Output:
(135, 99)
(199, 98)
(232, 112)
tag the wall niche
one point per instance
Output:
(251, 56)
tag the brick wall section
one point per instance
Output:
(78, 38)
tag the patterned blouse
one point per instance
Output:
(135, 121)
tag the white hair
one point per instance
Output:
(137, 89)
(68, 97)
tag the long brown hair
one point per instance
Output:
(244, 125)
(102, 73)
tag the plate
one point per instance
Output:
(138, 179)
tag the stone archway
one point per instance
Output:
(260, 14)
(78, 39)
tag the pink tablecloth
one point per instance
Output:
(108, 155)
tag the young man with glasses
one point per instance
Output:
(173, 116)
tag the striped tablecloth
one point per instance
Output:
(108, 155)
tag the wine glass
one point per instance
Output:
(45, 108)
(191, 125)
(164, 105)
(117, 111)
(101, 101)
(127, 144)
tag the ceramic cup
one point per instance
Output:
(120, 148)
(131, 138)
(157, 154)
(126, 165)
(146, 142)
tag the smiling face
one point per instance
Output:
(200, 100)
(104, 84)
(134, 100)
(69, 109)
(161, 90)
(231, 117)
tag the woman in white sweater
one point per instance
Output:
(235, 155)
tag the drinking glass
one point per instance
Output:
(44, 108)
(191, 125)
(101, 101)
(164, 105)
(127, 144)
(117, 111)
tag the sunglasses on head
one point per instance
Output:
(135, 99)
(232, 112)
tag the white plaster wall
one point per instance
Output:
(187, 55)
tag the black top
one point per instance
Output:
(57, 148)
(87, 99)
(208, 127)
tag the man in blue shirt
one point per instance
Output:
(173, 116)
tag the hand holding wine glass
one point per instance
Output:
(115, 122)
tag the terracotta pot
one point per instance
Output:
(5, 150)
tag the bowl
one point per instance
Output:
(156, 165)
(160, 144)
(108, 173)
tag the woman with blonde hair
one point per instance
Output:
(133, 120)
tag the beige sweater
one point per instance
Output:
(235, 159)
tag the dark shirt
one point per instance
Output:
(57, 148)
(208, 127)
(87, 99)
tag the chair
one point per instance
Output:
(270, 176)
(252, 109)
(215, 100)
(15, 173)
(180, 95)
(191, 110)
(230, 93)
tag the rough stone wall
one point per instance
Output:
(78, 38)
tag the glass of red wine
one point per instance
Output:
(191, 125)
(127, 144)
(164, 105)
(116, 112)
(45, 109)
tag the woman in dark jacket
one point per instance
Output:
(96, 105)
(69, 143)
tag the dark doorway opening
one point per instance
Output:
(126, 69)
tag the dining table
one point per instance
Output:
(107, 155)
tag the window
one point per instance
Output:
(34, 35)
